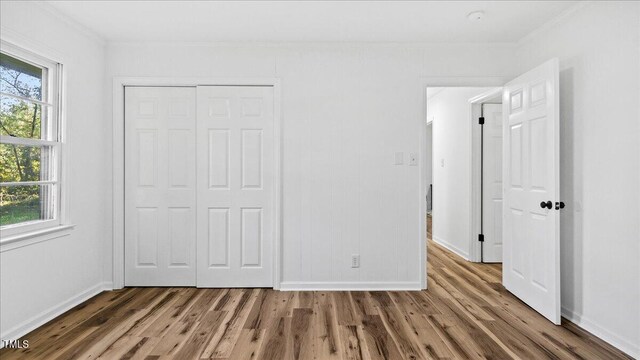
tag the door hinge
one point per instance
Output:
(481, 120)
(481, 237)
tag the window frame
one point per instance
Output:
(52, 87)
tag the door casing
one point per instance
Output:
(119, 83)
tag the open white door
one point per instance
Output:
(531, 264)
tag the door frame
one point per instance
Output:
(119, 84)
(442, 81)
(476, 174)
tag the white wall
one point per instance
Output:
(41, 279)
(347, 108)
(599, 50)
(451, 113)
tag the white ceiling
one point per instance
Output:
(384, 21)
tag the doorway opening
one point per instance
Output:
(464, 171)
(466, 184)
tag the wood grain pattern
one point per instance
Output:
(465, 314)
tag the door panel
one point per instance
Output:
(160, 186)
(531, 264)
(251, 233)
(219, 159)
(235, 186)
(492, 183)
(251, 159)
(179, 172)
(218, 237)
(181, 235)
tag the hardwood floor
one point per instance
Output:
(465, 314)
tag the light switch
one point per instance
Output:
(441, 162)
(399, 158)
(355, 261)
(413, 159)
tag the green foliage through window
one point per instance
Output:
(21, 116)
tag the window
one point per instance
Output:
(30, 142)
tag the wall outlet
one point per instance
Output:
(355, 261)
(413, 159)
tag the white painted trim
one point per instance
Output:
(422, 191)
(278, 154)
(34, 237)
(15, 231)
(117, 162)
(487, 95)
(27, 99)
(420, 45)
(350, 286)
(436, 93)
(41, 49)
(449, 246)
(23, 183)
(27, 142)
(429, 120)
(540, 30)
(439, 81)
(70, 21)
(625, 345)
(107, 286)
(42, 318)
(118, 159)
(474, 103)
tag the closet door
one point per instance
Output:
(235, 186)
(160, 191)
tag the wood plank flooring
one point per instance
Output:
(465, 314)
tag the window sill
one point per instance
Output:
(33, 237)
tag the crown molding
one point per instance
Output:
(88, 32)
(542, 29)
(312, 44)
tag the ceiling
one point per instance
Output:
(314, 21)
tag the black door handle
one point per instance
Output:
(546, 204)
(559, 205)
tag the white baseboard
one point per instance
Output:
(33, 323)
(615, 340)
(456, 250)
(347, 286)
(107, 286)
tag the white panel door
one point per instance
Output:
(531, 264)
(160, 211)
(235, 186)
(492, 184)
